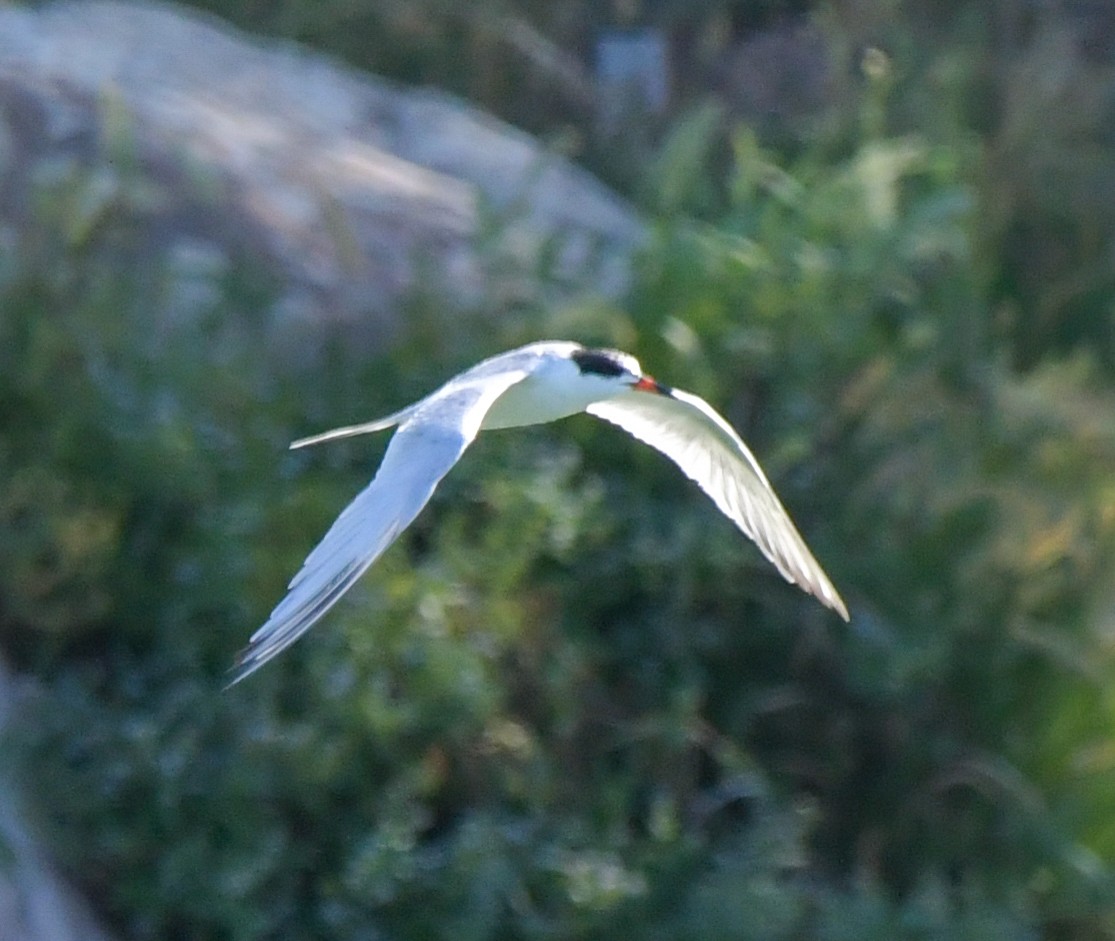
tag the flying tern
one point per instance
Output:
(538, 383)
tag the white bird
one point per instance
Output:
(538, 383)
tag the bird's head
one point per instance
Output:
(616, 368)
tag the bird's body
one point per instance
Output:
(531, 385)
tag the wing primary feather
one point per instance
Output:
(707, 449)
(294, 625)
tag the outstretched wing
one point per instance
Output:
(428, 443)
(689, 431)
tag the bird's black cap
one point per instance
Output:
(599, 362)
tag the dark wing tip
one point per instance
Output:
(245, 663)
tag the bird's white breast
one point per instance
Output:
(554, 390)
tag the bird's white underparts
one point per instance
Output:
(538, 383)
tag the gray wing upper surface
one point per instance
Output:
(690, 432)
(428, 443)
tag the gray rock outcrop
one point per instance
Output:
(36, 904)
(353, 190)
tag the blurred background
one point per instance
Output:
(572, 701)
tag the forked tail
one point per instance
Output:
(350, 430)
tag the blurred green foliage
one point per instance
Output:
(573, 702)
